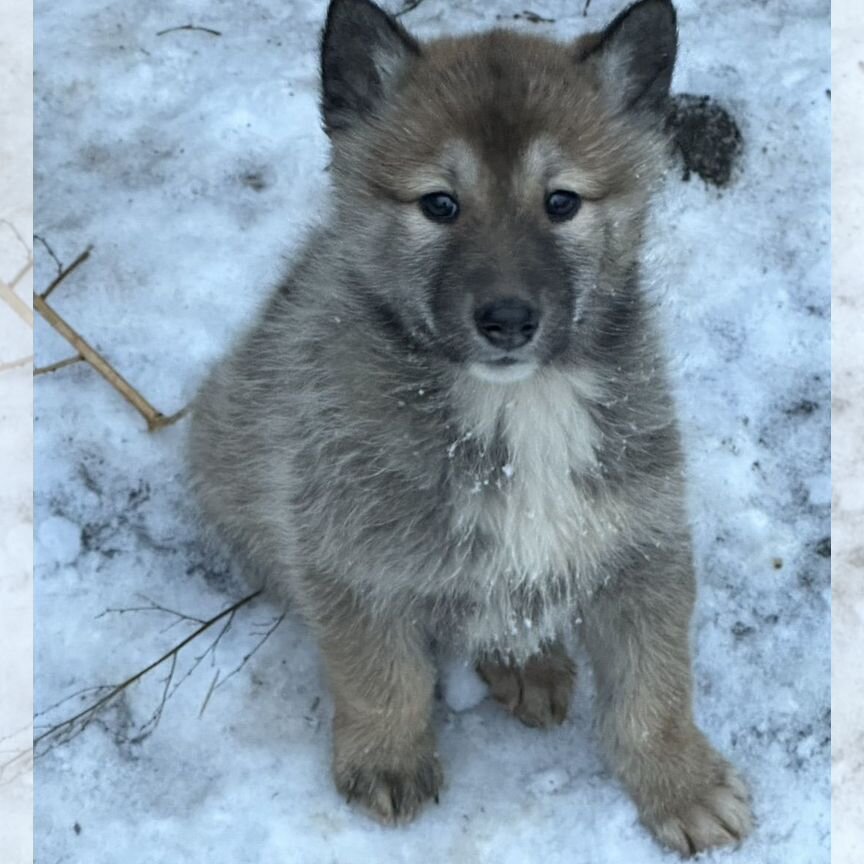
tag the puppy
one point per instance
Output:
(452, 421)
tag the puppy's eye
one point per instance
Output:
(439, 207)
(562, 205)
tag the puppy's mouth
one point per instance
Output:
(503, 370)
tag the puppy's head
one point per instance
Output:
(491, 189)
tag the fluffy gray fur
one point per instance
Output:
(353, 449)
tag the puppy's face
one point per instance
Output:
(494, 183)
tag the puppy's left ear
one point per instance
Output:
(635, 55)
(363, 52)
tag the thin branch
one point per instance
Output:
(84, 691)
(211, 651)
(50, 251)
(585, 10)
(11, 769)
(21, 274)
(83, 718)
(206, 701)
(60, 364)
(189, 27)
(247, 657)
(18, 237)
(152, 606)
(531, 17)
(16, 364)
(155, 419)
(409, 7)
(153, 721)
(18, 306)
(66, 272)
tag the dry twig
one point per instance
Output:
(155, 419)
(67, 729)
(16, 364)
(60, 364)
(529, 16)
(408, 7)
(49, 250)
(7, 292)
(189, 27)
(18, 306)
(63, 272)
(152, 606)
(271, 629)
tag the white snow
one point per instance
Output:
(58, 539)
(16, 432)
(847, 671)
(462, 687)
(548, 782)
(194, 163)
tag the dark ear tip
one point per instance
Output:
(343, 11)
(652, 8)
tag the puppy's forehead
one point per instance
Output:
(453, 165)
(500, 110)
(541, 162)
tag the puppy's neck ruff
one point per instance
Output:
(542, 413)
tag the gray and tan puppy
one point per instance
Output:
(452, 420)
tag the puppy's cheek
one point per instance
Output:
(421, 234)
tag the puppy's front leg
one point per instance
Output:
(382, 677)
(636, 631)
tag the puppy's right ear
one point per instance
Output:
(635, 55)
(363, 52)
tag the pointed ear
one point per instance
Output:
(363, 52)
(635, 55)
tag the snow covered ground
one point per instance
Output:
(847, 683)
(16, 432)
(192, 162)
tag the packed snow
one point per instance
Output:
(16, 432)
(847, 672)
(194, 163)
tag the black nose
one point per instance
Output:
(507, 323)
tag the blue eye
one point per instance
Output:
(562, 205)
(439, 207)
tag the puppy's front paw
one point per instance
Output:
(716, 813)
(392, 791)
(537, 692)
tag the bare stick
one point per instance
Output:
(155, 419)
(18, 237)
(65, 272)
(247, 657)
(211, 651)
(189, 27)
(78, 694)
(19, 307)
(51, 252)
(152, 606)
(410, 7)
(21, 274)
(86, 716)
(209, 694)
(153, 721)
(585, 10)
(60, 364)
(16, 364)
